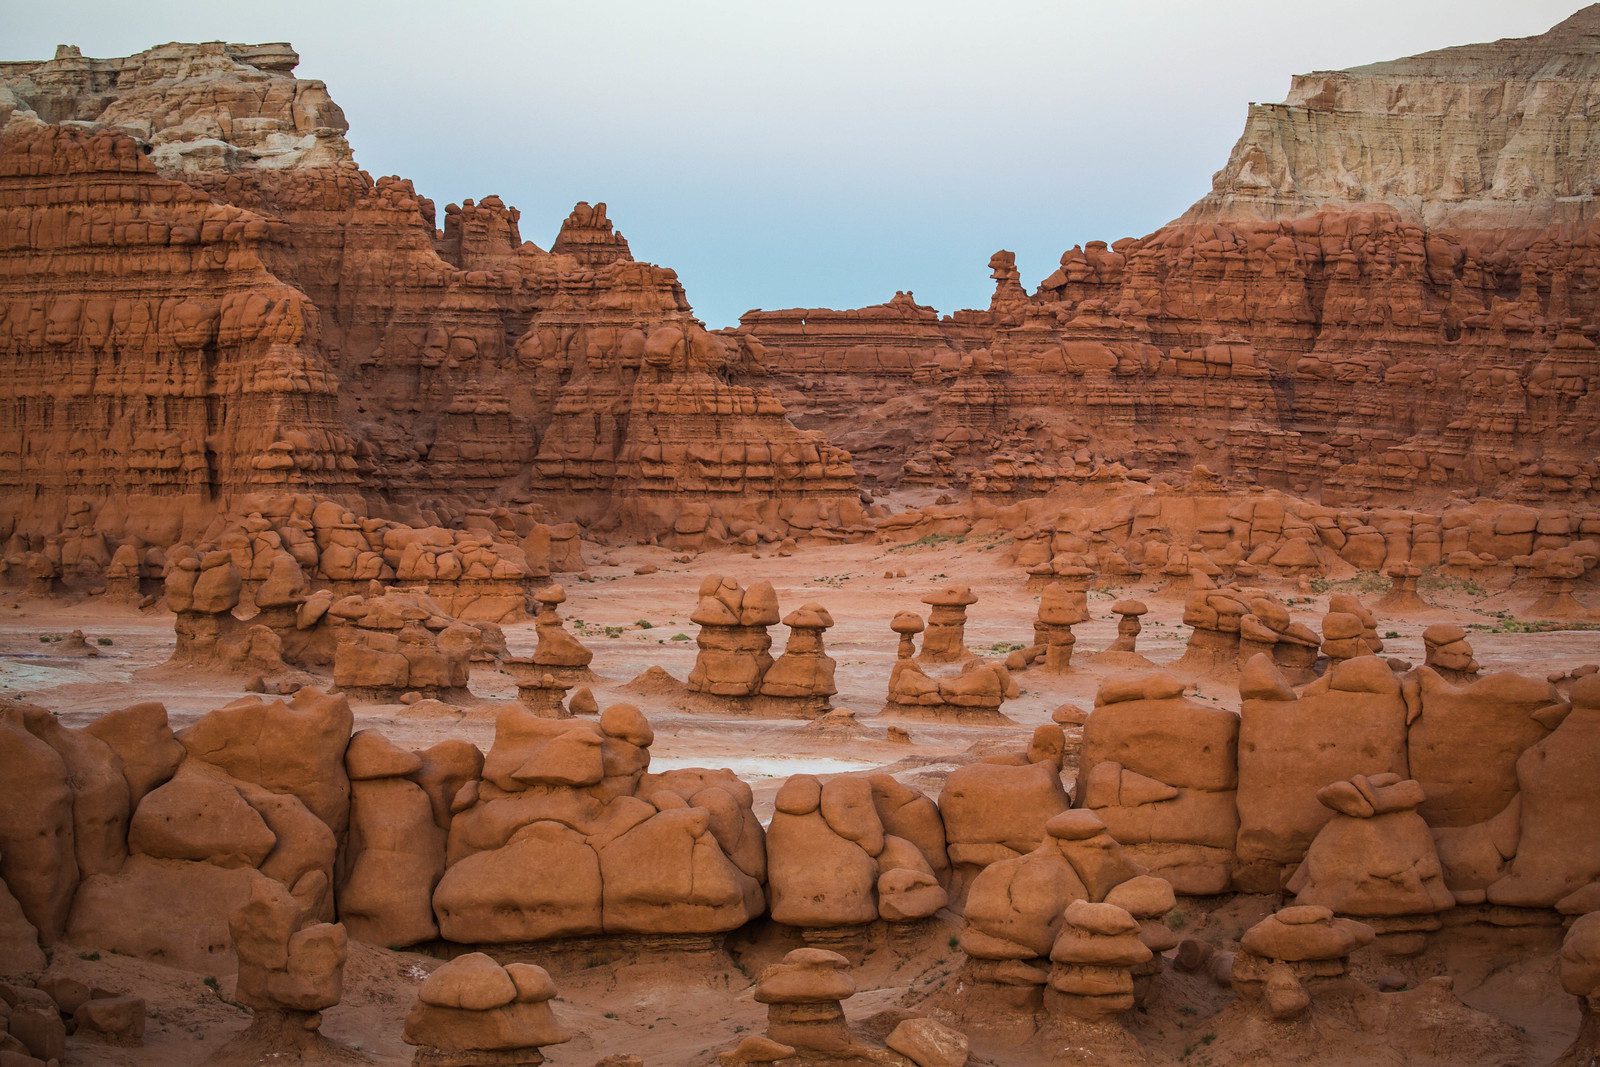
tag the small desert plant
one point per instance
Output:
(1365, 582)
(1506, 623)
(1433, 581)
(929, 540)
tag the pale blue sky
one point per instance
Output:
(823, 153)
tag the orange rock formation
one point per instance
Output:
(202, 295)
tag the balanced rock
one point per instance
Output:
(474, 1011)
(1283, 956)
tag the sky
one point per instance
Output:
(823, 153)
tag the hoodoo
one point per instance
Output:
(420, 646)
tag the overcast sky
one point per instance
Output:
(816, 153)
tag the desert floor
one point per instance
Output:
(678, 1004)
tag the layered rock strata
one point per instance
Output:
(193, 262)
(1389, 294)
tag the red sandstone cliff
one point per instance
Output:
(1391, 293)
(202, 295)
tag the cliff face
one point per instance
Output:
(869, 378)
(146, 351)
(1500, 134)
(202, 295)
(199, 108)
(1392, 294)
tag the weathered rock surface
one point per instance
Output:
(567, 835)
(1162, 772)
(190, 243)
(474, 1010)
(1459, 136)
(1394, 277)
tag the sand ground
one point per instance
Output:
(674, 1007)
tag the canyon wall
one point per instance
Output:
(1483, 135)
(202, 295)
(1390, 295)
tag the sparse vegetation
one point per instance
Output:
(680, 637)
(1434, 582)
(930, 540)
(1177, 919)
(90, 956)
(1390, 635)
(1004, 647)
(643, 624)
(1365, 582)
(103, 642)
(1507, 623)
(614, 632)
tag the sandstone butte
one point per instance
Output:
(1389, 295)
(356, 782)
(203, 296)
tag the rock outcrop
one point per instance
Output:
(853, 850)
(473, 1010)
(1350, 721)
(132, 840)
(191, 245)
(1286, 956)
(945, 681)
(805, 1022)
(1092, 960)
(1580, 976)
(1394, 276)
(1376, 861)
(734, 646)
(1162, 772)
(256, 793)
(287, 966)
(1026, 928)
(567, 835)
(1456, 137)
(999, 808)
